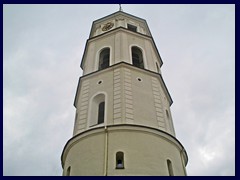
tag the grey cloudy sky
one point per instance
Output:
(43, 47)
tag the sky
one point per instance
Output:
(42, 50)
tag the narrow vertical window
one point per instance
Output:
(104, 59)
(97, 110)
(68, 171)
(101, 108)
(119, 160)
(137, 57)
(170, 169)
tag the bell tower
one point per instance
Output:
(123, 123)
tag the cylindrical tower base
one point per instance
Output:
(124, 150)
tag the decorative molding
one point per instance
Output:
(117, 102)
(158, 104)
(128, 96)
(81, 120)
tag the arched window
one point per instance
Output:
(97, 110)
(119, 160)
(137, 57)
(101, 108)
(104, 59)
(68, 171)
(170, 169)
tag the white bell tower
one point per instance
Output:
(123, 123)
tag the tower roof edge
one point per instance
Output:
(118, 13)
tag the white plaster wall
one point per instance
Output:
(145, 153)
(86, 157)
(128, 100)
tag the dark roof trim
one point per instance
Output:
(85, 49)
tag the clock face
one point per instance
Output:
(107, 26)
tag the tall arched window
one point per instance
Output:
(119, 160)
(97, 110)
(101, 108)
(170, 169)
(104, 58)
(137, 57)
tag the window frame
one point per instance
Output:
(170, 167)
(132, 27)
(137, 57)
(120, 157)
(104, 58)
(101, 111)
(94, 109)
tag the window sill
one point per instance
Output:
(96, 125)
